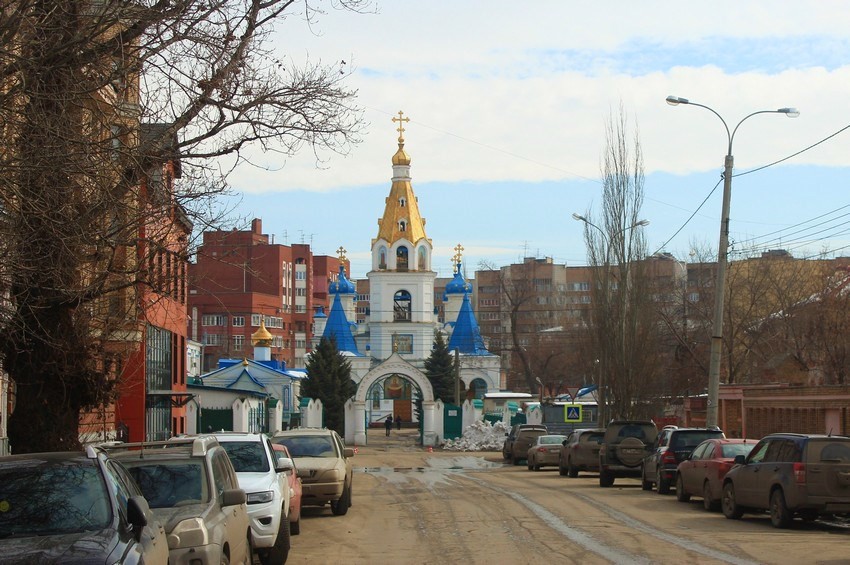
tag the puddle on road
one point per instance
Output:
(438, 471)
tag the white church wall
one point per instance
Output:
(311, 415)
(439, 423)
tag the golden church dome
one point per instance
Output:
(262, 336)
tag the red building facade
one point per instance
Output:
(239, 279)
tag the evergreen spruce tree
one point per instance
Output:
(440, 370)
(329, 380)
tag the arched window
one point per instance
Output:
(402, 306)
(402, 202)
(382, 257)
(422, 262)
(401, 258)
(402, 225)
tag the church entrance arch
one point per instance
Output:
(394, 368)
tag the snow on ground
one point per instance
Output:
(480, 436)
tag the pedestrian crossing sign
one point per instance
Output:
(572, 413)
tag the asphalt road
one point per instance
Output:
(411, 506)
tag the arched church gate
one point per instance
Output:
(355, 413)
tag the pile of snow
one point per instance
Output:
(480, 436)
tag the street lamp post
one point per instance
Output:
(600, 390)
(722, 259)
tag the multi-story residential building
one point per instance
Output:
(240, 278)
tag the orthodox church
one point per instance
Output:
(387, 356)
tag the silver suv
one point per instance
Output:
(192, 489)
(324, 465)
(264, 478)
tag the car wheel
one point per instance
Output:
(563, 471)
(780, 516)
(225, 560)
(572, 470)
(708, 502)
(662, 484)
(295, 527)
(514, 460)
(645, 483)
(528, 463)
(279, 552)
(681, 495)
(606, 479)
(730, 508)
(340, 507)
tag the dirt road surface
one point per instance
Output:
(415, 507)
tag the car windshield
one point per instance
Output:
(42, 499)
(833, 450)
(551, 440)
(170, 483)
(690, 439)
(732, 449)
(594, 437)
(309, 446)
(247, 456)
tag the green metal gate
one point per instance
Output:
(452, 421)
(216, 419)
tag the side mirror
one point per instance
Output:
(137, 515)
(348, 452)
(233, 497)
(564, 443)
(740, 459)
(283, 464)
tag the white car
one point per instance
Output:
(264, 478)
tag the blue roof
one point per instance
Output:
(458, 285)
(466, 336)
(339, 328)
(342, 285)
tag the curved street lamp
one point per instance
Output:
(722, 251)
(600, 388)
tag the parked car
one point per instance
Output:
(580, 452)
(623, 449)
(264, 478)
(324, 465)
(295, 490)
(672, 446)
(192, 488)
(702, 473)
(519, 439)
(790, 475)
(58, 507)
(544, 451)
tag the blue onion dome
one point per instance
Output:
(342, 285)
(458, 285)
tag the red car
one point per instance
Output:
(702, 473)
(295, 485)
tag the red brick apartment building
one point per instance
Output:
(241, 278)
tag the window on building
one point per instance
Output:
(255, 320)
(578, 287)
(238, 342)
(212, 339)
(403, 343)
(238, 321)
(213, 320)
(402, 304)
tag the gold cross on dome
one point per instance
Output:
(341, 253)
(400, 128)
(459, 255)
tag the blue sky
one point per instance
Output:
(508, 106)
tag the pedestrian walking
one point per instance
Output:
(388, 424)
(398, 422)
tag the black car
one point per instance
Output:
(673, 446)
(75, 508)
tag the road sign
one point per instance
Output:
(572, 391)
(572, 413)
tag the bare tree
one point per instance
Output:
(623, 319)
(103, 104)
